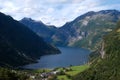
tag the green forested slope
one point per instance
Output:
(108, 67)
(7, 74)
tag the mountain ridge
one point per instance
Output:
(40, 28)
(79, 30)
(18, 39)
(85, 31)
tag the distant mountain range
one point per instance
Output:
(40, 28)
(19, 45)
(85, 31)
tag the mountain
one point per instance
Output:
(107, 65)
(19, 45)
(87, 30)
(40, 28)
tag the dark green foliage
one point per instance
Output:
(54, 77)
(61, 72)
(107, 68)
(7, 74)
(69, 76)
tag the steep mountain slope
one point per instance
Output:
(40, 28)
(87, 30)
(9, 56)
(106, 67)
(19, 45)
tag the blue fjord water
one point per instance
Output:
(69, 56)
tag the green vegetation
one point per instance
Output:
(41, 70)
(108, 67)
(62, 73)
(7, 74)
(76, 69)
(72, 71)
(64, 77)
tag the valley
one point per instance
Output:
(89, 48)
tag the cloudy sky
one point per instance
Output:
(54, 12)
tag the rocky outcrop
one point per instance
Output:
(102, 51)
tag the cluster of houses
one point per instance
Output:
(47, 75)
(44, 75)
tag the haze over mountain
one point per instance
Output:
(19, 45)
(85, 31)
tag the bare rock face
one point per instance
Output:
(102, 51)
